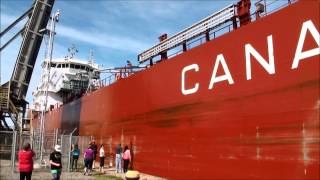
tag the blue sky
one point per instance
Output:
(116, 31)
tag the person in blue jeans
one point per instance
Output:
(119, 159)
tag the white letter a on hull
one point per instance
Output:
(227, 75)
(308, 25)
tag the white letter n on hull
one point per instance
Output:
(267, 66)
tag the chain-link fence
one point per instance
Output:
(8, 142)
(12, 141)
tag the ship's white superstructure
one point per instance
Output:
(69, 79)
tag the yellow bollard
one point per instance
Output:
(132, 175)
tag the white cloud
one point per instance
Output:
(7, 19)
(102, 40)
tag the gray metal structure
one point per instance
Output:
(196, 30)
(13, 93)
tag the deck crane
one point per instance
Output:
(13, 93)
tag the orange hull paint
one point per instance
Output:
(263, 128)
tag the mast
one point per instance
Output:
(48, 59)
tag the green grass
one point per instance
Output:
(106, 177)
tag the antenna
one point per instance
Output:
(72, 51)
(90, 59)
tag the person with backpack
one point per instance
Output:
(74, 157)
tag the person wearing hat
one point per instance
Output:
(55, 162)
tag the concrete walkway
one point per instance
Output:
(43, 174)
(111, 172)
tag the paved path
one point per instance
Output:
(43, 174)
(111, 172)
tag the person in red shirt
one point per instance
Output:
(26, 162)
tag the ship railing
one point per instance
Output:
(107, 81)
(118, 73)
(202, 39)
(194, 31)
(270, 6)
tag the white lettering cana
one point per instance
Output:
(269, 65)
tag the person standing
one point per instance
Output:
(101, 155)
(25, 162)
(118, 159)
(55, 162)
(75, 156)
(95, 150)
(126, 158)
(88, 160)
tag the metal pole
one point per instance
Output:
(54, 19)
(69, 152)
(13, 153)
(55, 136)
(265, 6)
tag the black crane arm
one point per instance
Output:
(29, 49)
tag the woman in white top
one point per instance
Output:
(101, 155)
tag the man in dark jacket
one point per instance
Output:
(55, 162)
(95, 151)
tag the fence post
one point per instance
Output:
(56, 136)
(69, 152)
(13, 153)
(31, 138)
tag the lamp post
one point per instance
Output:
(48, 58)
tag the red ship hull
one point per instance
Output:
(266, 127)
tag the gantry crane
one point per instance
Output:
(13, 93)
